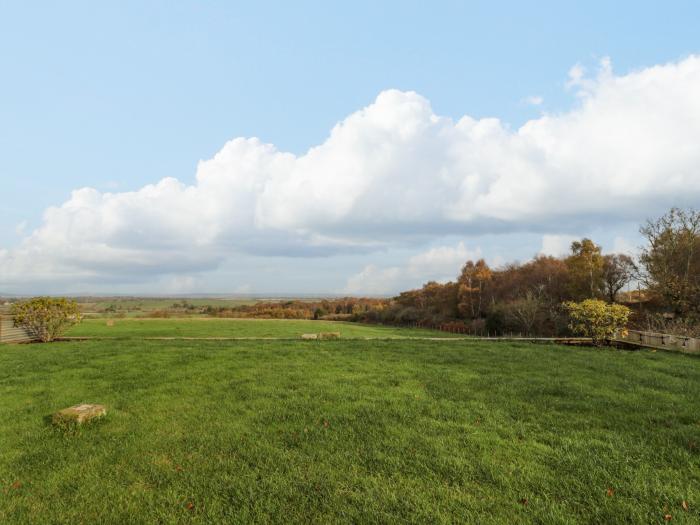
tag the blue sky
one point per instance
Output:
(119, 96)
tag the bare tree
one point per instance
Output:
(618, 270)
(525, 311)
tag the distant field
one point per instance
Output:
(132, 307)
(210, 327)
(349, 432)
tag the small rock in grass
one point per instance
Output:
(79, 414)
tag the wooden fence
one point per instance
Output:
(453, 327)
(458, 327)
(9, 333)
(675, 343)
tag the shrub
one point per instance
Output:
(495, 321)
(46, 318)
(524, 313)
(596, 319)
(476, 327)
(408, 315)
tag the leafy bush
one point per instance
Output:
(46, 318)
(596, 319)
(495, 320)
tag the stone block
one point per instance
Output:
(79, 414)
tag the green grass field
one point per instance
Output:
(211, 327)
(349, 432)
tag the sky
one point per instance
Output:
(319, 148)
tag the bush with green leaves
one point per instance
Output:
(596, 319)
(46, 318)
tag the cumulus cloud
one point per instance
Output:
(393, 173)
(441, 263)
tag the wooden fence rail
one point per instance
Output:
(9, 333)
(675, 343)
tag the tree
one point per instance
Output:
(434, 300)
(671, 260)
(596, 319)
(46, 318)
(525, 311)
(585, 268)
(471, 284)
(617, 271)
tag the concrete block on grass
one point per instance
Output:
(79, 414)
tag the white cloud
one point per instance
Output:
(441, 264)
(373, 280)
(577, 74)
(393, 173)
(180, 284)
(622, 245)
(534, 100)
(557, 245)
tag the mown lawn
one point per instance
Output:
(349, 432)
(211, 327)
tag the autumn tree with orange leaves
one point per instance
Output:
(471, 283)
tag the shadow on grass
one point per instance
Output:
(72, 428)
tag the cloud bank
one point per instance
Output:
(392, 174)
(441, 263)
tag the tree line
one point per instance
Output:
(343, 308)
(527, 298)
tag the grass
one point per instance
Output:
(211, 327)
(349, 432)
